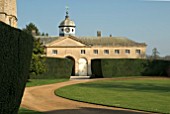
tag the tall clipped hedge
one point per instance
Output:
(129, 67)
(15, 56)
(56, 68)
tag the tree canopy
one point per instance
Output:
(38, 62)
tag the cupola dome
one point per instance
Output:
(67, 26)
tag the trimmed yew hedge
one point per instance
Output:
(15, 55)
(129, 67)
(56, 68)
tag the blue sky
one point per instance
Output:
(139, 20)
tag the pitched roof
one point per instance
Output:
(46, 39)
(107, 41)
(96, 41)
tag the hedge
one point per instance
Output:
(107, 68)
(15, 55)
(56, 68)
(129, 67)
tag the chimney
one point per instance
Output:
(99, 33)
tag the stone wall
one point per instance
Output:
(8, 12)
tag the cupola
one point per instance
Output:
(67, 26)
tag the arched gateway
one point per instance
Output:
(82, 67)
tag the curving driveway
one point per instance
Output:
(43, 99)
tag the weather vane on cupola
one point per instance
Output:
(67, 8)
(67, 27)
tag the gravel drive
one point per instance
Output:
(43, 99)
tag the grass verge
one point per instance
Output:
(152, 94)
(39, 82)
(26, 111)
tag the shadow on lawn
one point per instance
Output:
(86, 110)
(130, 87)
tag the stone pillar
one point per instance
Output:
(89, 67)
(76, 67)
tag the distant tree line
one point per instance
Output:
(155, 55)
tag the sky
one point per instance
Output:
(145, 21)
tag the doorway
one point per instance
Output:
(82, 67)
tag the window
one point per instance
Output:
(72, 30)
(138, 51)
(55, 52)
(83, 51)
(106, 51)
(117, 51)
(127, 51)
(95, 51)
(62, 30)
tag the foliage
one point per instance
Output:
(129, 67)
(56, 68)
(26, 111)
(149, 94)
(39, 82)
(156, 68)
(38, 62)
(31, 29)
(15, 48)
(155, 54)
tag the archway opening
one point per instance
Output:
(73, 67)
(82, 69)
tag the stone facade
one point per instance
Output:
(8, 12)
(82, 50)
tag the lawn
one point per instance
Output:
(38, 82)
(149, 94)
(25, 111)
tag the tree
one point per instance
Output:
(31, 29)
(37, 65)
(46, 34)
(38, 62)
(155, 53)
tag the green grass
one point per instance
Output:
(25, 111)
(146, 94)
(39, 82)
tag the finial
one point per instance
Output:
(67, 8)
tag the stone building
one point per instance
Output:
(8, 12)
(82, 50)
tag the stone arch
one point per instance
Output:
(74, 66)
(82, 67)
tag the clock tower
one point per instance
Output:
(67, 26)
